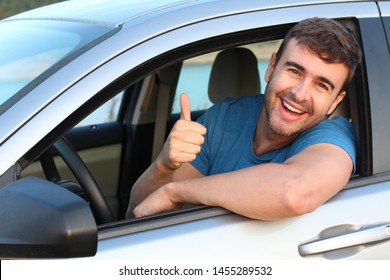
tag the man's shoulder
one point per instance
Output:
(338, 122)
(338, 130)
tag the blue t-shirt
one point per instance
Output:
(231, 126)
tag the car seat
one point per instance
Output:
(234, 73)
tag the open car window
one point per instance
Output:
(195, 74)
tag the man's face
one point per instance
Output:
(301, 90)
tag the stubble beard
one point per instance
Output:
(284, 128)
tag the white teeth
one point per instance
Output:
(292, 109)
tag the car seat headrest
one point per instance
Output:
(234, 73)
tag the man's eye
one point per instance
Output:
(294, 71)
(323, 86)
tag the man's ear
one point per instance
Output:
(336, 102)
(270, 68)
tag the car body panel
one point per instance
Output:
(147, 37)
(232, 237)
(112, 12)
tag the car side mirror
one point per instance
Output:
(40, 219)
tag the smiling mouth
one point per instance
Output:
(292, 109)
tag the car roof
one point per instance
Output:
(114, 13)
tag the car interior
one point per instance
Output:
(125, 146)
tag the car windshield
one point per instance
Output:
(30, 47)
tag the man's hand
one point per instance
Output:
(157, 202)
(185, 139)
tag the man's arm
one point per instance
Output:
(267, 191)
(181, 147)
(155, 177)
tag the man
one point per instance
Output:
(268, 157)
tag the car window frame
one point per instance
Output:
(213, 44)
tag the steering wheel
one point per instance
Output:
(83, 176)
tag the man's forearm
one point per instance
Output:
(154, 177)
(269, 191)
(247, 192)
(258, 192)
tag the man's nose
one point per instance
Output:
(301, 90)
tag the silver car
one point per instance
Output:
(89, 92)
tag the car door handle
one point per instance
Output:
(345, 236)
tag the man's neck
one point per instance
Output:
(265, 139)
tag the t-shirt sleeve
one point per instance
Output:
(338, 131)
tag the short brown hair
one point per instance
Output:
(329, 39)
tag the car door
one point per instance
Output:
(352, 225)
